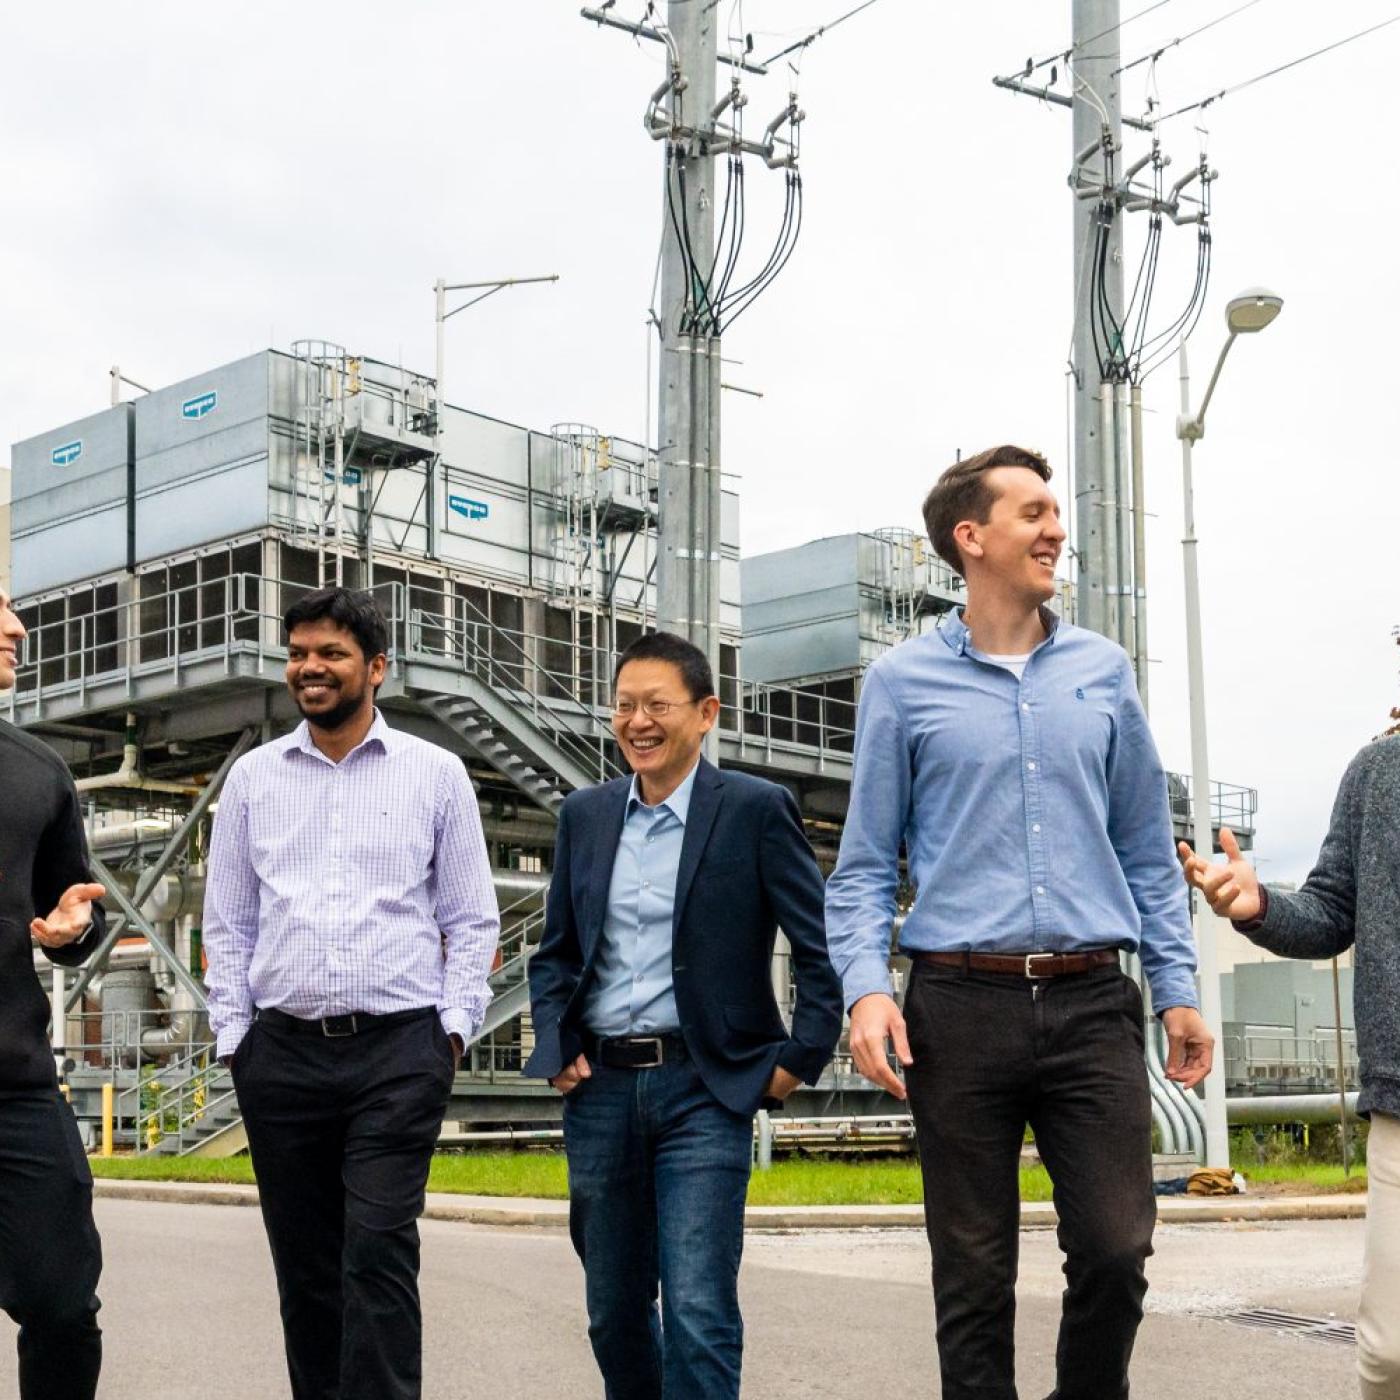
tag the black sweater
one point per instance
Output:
(42, 852)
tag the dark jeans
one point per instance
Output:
(50, 1256)
(658, 1172)
(341, 1133)
(991, 1054)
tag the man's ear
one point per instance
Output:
(967, 537)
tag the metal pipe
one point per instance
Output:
(1139, 549)
(167, 857)
(1108, 533)
(1289, 1108)
(1122, 520)
(1217, 1138)
(1341, 1065)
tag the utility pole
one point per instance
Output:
(1097, 135)
(688, 416)
(697, 266)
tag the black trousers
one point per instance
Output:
(991, 1054)
(341, 1132)
(50, 1255)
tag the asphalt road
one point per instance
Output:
(190, 1312)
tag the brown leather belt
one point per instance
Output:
(1036, 966)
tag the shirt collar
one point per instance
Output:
(955, 633)
(678, 803)
(379, 734)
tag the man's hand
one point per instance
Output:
(781, 1084)
(459, 1048)
(1190, 1046)
(1232, 890)
(875, 1019)
(69, 919)
(571, 1076)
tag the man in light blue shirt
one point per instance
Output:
(632, 993)
(1009, 754)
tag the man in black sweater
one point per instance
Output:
(50, 1255)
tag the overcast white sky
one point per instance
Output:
(181, 185)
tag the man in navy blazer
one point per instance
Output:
(654, 1016)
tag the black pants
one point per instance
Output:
(991, 1054)
(50, 1256)
(341, 1132)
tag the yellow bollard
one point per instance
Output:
(67, 1092)
(107, 1119)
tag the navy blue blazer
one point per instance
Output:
(745, 870)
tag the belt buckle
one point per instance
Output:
(1038, 976)
(656, 1042)
(330, 1028)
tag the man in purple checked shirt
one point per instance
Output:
(350, 922)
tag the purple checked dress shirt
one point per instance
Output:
(362, 885)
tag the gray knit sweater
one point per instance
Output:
(1353, 896)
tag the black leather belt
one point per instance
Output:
(634, 1051)
(336, 1027)
(1036, 966)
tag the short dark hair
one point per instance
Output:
(962, 493)
(685, 656)
(352, 609)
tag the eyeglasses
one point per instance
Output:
(652, 709)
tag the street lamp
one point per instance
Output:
(1247, 313)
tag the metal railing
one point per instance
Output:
(1231, 804)
(1279, 1060)
(556, 679)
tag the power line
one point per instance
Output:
(1158, 52)
(1060, 54)
(1273, 72)
(822, 29)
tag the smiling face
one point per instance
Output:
(330, 678)
(11, 635)
(662, 748)
(1018, 546)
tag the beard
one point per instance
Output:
(332, 719)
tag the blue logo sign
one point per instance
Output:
(67, 454)
(201, 406)
(464, 505)
(352, 477)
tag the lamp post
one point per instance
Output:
(1249, 312)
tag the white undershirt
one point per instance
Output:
(1015, 664)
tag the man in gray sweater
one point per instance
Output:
(1351, 897)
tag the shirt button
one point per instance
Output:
(1031, 765)
(1036, 827)
(1024, 706)
(1040, 889)
(650, 839)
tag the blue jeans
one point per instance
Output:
(658, 1172)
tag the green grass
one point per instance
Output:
(790, 1182)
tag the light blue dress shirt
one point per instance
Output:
(632, 991)
(1034, 813)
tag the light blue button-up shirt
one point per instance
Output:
(1034, 813)
(632, 991)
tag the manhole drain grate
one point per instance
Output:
(1319, 1329)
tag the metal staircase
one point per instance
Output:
(186, 1108)
(514, 714)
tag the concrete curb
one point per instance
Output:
(501, 1210)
